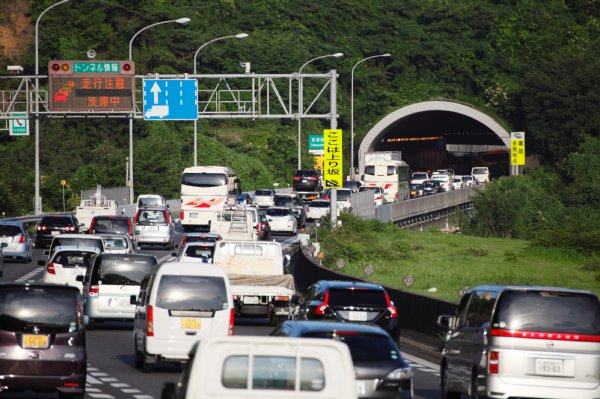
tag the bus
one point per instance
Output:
(391, 175)
(205, 192)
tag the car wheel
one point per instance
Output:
(444, 385)
(147, 363)
(474, 388)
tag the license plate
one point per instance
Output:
(115, 302)
(251, 300)
(31, 341)
(303, 180)
(357, 316)
(190, 324)
(55, 233)
(193, 215)
(548, 366)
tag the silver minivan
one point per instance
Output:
(154, 226)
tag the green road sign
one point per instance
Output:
(19, 127)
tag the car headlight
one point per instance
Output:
(400, 374)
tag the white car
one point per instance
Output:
(468, 181)
(200, 251)
(378, 196)
(264, 197)
(444, 180)
(457, 182)
(281, 220)
(66, 263)
(481, 174)
(419, 177)
(342, 198)
(317, 209)
(118, 244)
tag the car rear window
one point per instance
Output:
(263, 192)
(343, 195)
(376, 189)
(116, 243)
(199, 251)
(9, 231)
(278, 212)
(548, 311)
(306, 173)
(419, 176)
(479, 171)
(204, 179)
(78, 242)
(319, 204)
(199, 293)
(284, 201)
(41, 309)
(119, 226)
(56, 222)
(149, 217)
(357, 297)
(73, 258)
(122, 270)
(363, 347)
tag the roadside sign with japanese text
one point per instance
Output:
(332, 163)
(315, 142)
(91, 86)
(517, 148)
(19, 127)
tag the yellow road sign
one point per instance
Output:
(517, 148)
(332, 164)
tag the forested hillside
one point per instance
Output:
(532, 65)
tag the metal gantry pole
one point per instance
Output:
(333, 126)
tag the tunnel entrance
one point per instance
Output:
(441, 134)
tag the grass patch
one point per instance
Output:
(448, 262)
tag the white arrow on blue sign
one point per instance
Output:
(170, 99)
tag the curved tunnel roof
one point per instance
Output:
(441, 125)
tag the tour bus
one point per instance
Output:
(205, 192)
(391, 175)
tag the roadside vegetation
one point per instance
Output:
(441, 263)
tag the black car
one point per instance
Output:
(306, 181)
(349, 301)
(380, 369)
(50, 226)
(432, 187)
(352, 185)
(106, 224)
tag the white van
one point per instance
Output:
(178, 305)
(481, 174)
(150, 200)
(245, 367)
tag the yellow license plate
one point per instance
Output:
(35, 341)
(190, 324)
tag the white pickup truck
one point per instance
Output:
(97, 205)
(259, 281)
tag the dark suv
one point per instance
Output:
(349, 301)
(307, 181)
(49, 226)
(44, 346)
(111, 225)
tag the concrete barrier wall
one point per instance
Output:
(416, 312)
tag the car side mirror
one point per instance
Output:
(173, 253)
(47, 252)
(79, 278)
(133, 300)
(168, 391)
(286, 260)
(446, 321)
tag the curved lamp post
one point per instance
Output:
(352, 110)
(37, 203)
(300, 105)
(181, 21)
(238, 36)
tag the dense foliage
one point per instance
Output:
(532, 65)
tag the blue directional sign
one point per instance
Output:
(170, 99)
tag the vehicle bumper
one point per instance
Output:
(93, 311)
(19, 251)
(169, 349)
(43, 383)
(153, 239)
(500, 388)
(376, 388)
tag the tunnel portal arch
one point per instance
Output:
(440, 134)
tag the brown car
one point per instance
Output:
(42, 336)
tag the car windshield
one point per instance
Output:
(73, 258)
(548, 311)
(38, 309)
(278, 212)
(201, 293)
(357, 297)
(122, 270)
(56, 222)
(9, 230)
(204, 179)
(363, 347)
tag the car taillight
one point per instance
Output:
(137, 217)
(183, 241)
(94, 290)
(231, 321)
(391, 308)
(130, 227)
(150, 322)
(50, 268)
(296, 177)
(168, 217)
(378, 198)
(42, 228)
(70, 228)
(320, 310)
(92, 224)
(181, 213)
(312, 177)
(71, 385)
(493, 362)
(22, 239)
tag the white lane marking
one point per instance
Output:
(143, 397)
(101, 395)
(99, 374)
(28, 277)
(131, 390)
(109, 379)
(92, 380)
(89, 389)
(95, 392)
(119, 385)
(421, 362)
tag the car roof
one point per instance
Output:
(339, 284)
(278, 208)
(203, 235)
(112, 235)
(153, 208)
(61, 248)
(113, 255)
(12, 223)
(314, 326)
(84, 236)
(191, 269)
(318, 200)
(500, 288)
(38, 285)
(112, 217)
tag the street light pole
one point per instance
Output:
(300, 100)
(181, 21)
(37, 201)
(352, 110)
(238, 36)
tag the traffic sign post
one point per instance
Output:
(170, 99)
(91, 86)
(19, 127)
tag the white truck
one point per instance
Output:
(258, 275)
(236, 223)
(97, 205)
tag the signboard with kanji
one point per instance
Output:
(91, 86)
(315, 142)
(332, 163)
(517, 148)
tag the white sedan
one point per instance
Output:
(317, 209)
(118, 244)
(281, 220)
(67, 263)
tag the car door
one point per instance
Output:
(454, 343)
